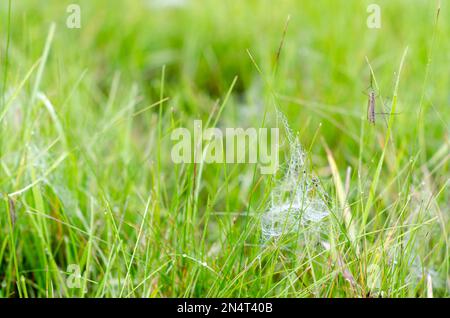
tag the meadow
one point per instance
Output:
(93, 205)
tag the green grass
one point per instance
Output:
(87, 180)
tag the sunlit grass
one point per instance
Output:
(93, 206)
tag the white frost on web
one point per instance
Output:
(297, 198)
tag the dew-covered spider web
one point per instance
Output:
(297, 198)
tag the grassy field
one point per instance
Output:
(92, 204)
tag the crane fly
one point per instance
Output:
(371, 108)
(371, 105)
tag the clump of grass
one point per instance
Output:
(93, 206)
